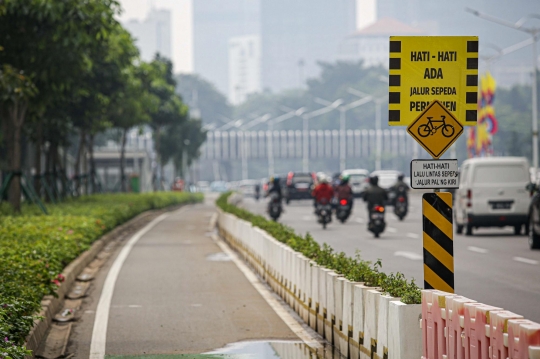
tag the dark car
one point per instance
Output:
(299, 185)
(534, 217)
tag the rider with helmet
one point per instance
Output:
(274, 191)
(323, 192)
(375, 195)
(400, 188)
(275, 187)
(343, 190)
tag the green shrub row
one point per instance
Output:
(35, 248)
(354, 269)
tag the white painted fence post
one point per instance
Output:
(370, 320)
(404, 333)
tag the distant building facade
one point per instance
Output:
(371, 43)
(215, 22)
(153, 35)
(244, 67)
(296, 34)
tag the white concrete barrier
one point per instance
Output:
(382, 325)
(358, 320)
(404, 333)
(371, 310)
(323, 312)
(314, 295)
(357, 340)
(347, 318)
(331, 277)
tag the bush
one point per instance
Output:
(35, 248)
(354, 269)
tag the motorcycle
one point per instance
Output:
(324, 213)
(376, 223)
(343, 210)
(275, 207)
(400, 207)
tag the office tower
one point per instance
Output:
(152, 35)
(244, 67)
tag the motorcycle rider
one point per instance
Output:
(323, 192)
(275, 187)
(375, 195)
(400, 188)
(344, 191)
(257, 191)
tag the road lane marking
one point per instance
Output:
(307, 218)
(359, 220)
(305, 334)
(391, 230)
(413, 235)
(99, 333)
(477, 249)
(525, 260)
(409, 255)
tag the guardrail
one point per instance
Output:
(362, 322)
(456, 327)
(358, 320)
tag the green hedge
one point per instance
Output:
(354, 269)
(35, 248)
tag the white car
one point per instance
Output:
(492, 193)
(358, 180)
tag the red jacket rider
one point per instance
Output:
(323, 191)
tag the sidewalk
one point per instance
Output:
(177, 292)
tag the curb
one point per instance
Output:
(50, 304)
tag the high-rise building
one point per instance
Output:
(295, 35)
(153, 35)
(215, 22)
(370, 44)
(244, 67)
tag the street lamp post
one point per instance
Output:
(305, 118)
(342, 125)
(378, 124)
(378, 130)
(534, 33)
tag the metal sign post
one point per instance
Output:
(433, 90)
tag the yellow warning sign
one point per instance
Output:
(435, 129)
(427, 68)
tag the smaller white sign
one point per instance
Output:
(434, 174)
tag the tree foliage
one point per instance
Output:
(69, 71)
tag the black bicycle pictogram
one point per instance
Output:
(430, 128)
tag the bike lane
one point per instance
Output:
(176, 293)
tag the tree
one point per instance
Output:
(16, 90)
(131, 106)
(202, 95)
(50, 41)
(159, 81)
(182, 142)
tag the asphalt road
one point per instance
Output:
(493, 267)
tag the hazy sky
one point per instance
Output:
(181, 26)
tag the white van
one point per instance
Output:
(492, 194)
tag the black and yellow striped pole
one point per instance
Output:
(438, 239)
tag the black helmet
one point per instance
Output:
(374, 180)
(400, 177)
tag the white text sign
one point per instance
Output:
(434, 174)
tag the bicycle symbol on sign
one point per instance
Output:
(430, 128)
